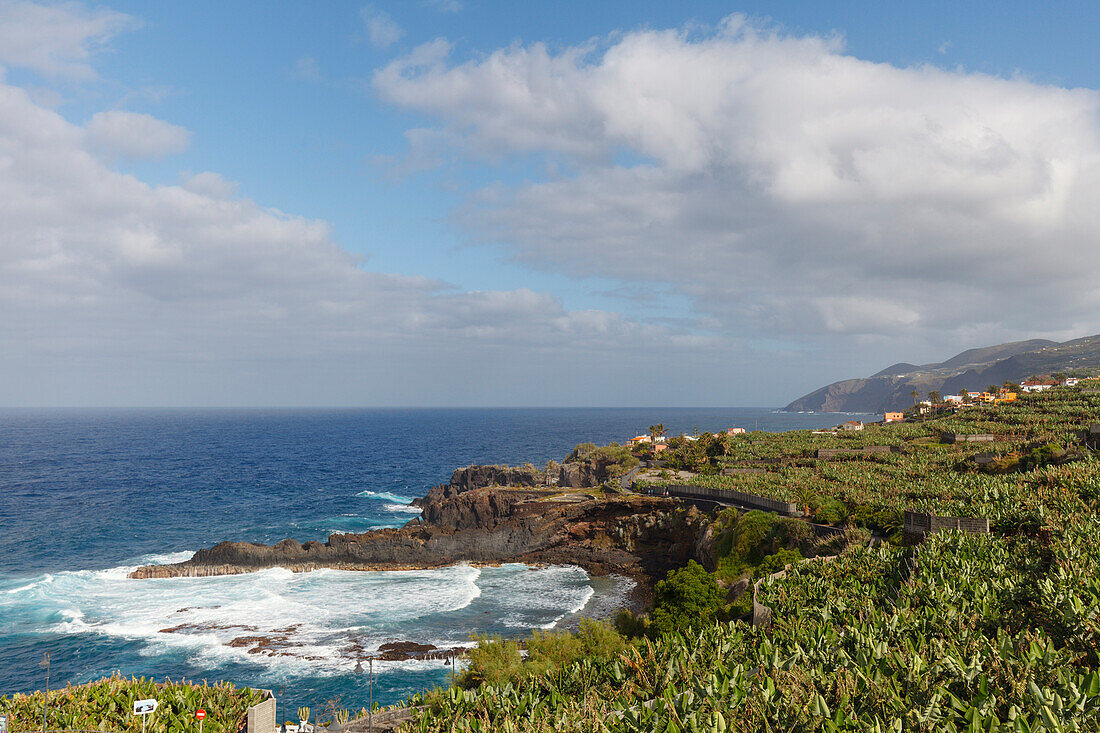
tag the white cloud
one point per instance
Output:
(306, 67)
(135, 135)
(58, 39)
(785, 186)
(382, 31)
(444, 6)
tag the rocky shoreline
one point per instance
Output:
(488, 515)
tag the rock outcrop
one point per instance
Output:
(469, 521)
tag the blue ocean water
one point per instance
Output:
(85, 495)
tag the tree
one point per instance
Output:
(935, 397)
(657, 431)
(965, 395)
(914, 394)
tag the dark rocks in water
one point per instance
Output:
(401, 651)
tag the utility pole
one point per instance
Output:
(46, 698)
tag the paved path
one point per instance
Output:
(627, 480)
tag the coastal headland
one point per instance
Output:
(492, 515)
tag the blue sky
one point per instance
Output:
(524, 238)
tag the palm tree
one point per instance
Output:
(934, 397)
(914, 394)
(656, 431)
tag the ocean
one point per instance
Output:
(87, 495)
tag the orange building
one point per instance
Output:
(894, 417)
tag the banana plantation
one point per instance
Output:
(962, 632)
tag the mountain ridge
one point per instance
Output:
(973, 369)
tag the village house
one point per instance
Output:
(641, 439)
(851, 425)
(735, 431)
(893, 417)
(1070, 382)
(954, 399)
(1038, 385)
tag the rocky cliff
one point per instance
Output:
(973, 370)
(471, 520)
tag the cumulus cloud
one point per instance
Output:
(135, 135)
(784, 185)
(57, 40)
(382, 31)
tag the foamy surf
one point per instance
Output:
(401, 509)
(282, 624)
(385, 496)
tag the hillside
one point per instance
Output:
(973, 370)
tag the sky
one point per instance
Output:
(468, 203)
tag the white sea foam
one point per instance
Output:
(401, 508)
(168, 558)
(318, 623)
(386, 496)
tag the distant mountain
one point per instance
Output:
(972, 370)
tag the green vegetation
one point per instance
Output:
(612, 460)
(995, 632)
(107, 705)
(495, 661)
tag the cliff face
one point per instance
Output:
(641, 536)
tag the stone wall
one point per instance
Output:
(921, 524)
(740, 498)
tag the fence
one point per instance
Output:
(740, 498)
(960, 438)
(865, 451)
(921, 524)
(261, 716)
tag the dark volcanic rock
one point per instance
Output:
(640, 536)
(481, 477)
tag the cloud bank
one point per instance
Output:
(116, 291)
(788, 188)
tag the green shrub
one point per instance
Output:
(687, 598)
(493, 661)
(778, 561)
